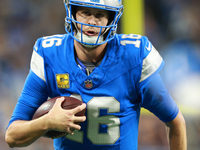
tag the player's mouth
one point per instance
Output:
(90, 33)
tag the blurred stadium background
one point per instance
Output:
(173, 26)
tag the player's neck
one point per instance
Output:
(90, 54)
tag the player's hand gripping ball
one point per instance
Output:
(69, 103)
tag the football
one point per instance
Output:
(68, 103)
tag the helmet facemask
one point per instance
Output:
(91, 41)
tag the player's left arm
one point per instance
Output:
(176, 130)
(156, 98)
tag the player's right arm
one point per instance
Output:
(22, 130)
(22, 133)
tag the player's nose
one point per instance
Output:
(92, 20)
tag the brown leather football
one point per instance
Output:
(68, 103)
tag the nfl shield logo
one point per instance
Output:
(88, 84)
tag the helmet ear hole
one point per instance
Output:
(73, 13)
(74, 10)
(111, 16)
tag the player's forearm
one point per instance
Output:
(23, 133)
(177, 133)
(177, 139)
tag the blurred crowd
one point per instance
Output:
(173, 26)
(21, 23)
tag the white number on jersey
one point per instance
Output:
(94, 120)
(49, 41)
(136, 41)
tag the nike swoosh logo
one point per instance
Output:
(149, 47)
(36, 48)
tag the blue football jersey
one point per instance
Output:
(126, 80)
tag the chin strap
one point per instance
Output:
(89, 39)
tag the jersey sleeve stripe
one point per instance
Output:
(150, 64)
(37, 65)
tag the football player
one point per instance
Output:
(114, 75)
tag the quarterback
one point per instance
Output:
(113, 74)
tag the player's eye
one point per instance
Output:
(99, 15)
(86, 13)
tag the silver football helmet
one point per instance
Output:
(115, 8)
